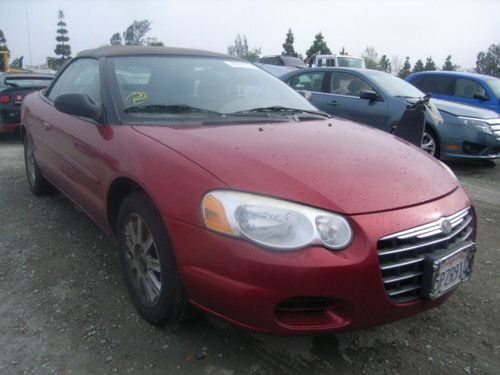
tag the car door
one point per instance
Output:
(343, 99)
(75, 143)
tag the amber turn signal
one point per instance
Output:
(215, 215)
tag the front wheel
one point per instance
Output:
(148, 262)
(430, 143)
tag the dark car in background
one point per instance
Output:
(379, 99)
(13, 88)
(283, 60)
(467, 88)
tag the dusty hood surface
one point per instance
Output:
(341, 167)
(458, 109)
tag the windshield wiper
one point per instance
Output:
(170, 109)
(279, 109)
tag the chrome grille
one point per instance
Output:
(401, 254)
(495, 126)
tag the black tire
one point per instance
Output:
(430, 135)
(37, 183)
(170, 304)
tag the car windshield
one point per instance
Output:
(27, 81)
(178, 86)
(494, 84)
(394, 86)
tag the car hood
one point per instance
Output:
(333, 164)
(463, 110)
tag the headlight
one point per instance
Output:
(273, 223)
(477, 123)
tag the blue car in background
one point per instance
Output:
(379, 99)
(466, 88)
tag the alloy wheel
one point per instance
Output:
(428, 144)
(142, 260)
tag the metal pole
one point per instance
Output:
(29, 41)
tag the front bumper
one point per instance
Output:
(462, 142)
(261, 289)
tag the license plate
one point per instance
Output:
(441, 274)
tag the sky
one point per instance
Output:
(401, 28)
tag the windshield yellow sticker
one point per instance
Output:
(137, 97)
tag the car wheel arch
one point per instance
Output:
(118, 190)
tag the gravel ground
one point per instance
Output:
(64, 308)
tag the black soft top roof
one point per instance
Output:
(110, 51)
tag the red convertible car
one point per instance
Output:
(227, 190)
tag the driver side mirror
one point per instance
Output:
(480, 96)
(370, 95)
(78, 104)
(306, 94)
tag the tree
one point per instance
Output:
(134, 35)
(153, 42)
(3, 42)
(489, 62)
(116, 39)
(371, 58)
(384, 64)
(288, 45)
(62, 49)
(343, 52)
(397, 64)
(430, 64)
(17, 63)
(448, 65)
(240, 48)
(406, 70)
(319, 46)
(419, 66)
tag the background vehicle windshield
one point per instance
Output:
(294, 61)
(211, 84)
(394, 86)
(349, 62)
(494, 84)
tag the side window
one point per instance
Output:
(82, 76)
(436, 84)
(347, 84)
(308, 81)
(466, 88)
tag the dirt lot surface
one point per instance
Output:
(64, 308)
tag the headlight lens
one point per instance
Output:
(478, 124)
(274, 223)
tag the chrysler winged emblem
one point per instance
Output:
(446, 226)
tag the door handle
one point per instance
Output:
(46, 125)
(333, 103)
